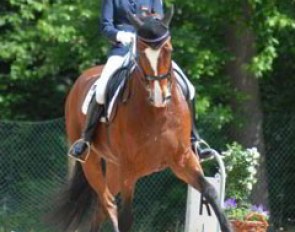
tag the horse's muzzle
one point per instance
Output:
(160, 105)
(160, 93)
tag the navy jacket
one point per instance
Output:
(114, 18)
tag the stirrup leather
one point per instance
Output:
(87, 154)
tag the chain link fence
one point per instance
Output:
(280, 162)
(33, 166)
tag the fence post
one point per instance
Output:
(199, 214)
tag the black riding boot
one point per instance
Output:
(94, 112)
(195, 137)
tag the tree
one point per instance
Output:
(44, 47)
(226, 48)
(241, 41)
(248, 31)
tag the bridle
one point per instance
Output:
(153, 36)
(160, 77)
(160, 42)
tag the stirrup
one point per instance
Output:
(198, 144)
(77, 158)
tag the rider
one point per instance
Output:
(116, 27)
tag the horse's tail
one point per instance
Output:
(73, 203)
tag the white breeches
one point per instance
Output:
(114, 63)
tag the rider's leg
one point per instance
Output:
(95, 110)
(113, 64)
(195, 137)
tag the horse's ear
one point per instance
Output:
(168, 16)
(135, 21)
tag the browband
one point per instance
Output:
(167, 34)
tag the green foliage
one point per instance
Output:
(199, 37)
(268, 24)
(33, 160)
(241, 170)
(44, 46)
(239, 210)
(28, 215)
(277, 88)
(237, 213)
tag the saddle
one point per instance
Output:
(118, 91)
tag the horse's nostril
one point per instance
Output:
(150, 99)
(168, 98)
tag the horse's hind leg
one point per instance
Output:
(93, 173)
(190, 171)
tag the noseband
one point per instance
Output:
(160, 77)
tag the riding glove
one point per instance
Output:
(125, 37)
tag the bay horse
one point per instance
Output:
(151, 132)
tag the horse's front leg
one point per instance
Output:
(94, 174)
(127, 194)
(188, 169)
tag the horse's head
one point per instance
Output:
(154, 55)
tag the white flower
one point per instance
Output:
(249, 159)
(256, 154)
(252, 170)
(255, 162)
(229, 168)
(249, 186)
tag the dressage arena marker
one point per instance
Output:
(200, 216)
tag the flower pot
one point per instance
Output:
(248, 225)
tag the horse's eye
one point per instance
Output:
(168, 48)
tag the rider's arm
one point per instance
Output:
(158, 7)
(107, 20)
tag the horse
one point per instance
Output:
(150, 133)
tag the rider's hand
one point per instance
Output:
(125, 37)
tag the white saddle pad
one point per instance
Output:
(110, 107)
